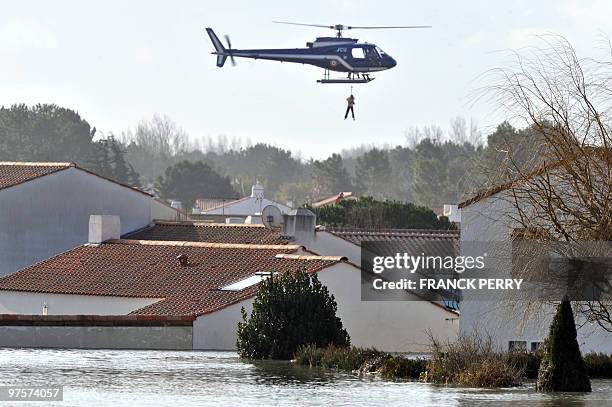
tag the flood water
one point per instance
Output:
(157, 378)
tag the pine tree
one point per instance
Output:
(562, 367)
(290, 311)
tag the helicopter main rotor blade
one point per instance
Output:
(307, 25)
(351, 27)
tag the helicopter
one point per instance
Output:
(338, 54)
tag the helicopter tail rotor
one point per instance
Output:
(229, 50)
(220, 50)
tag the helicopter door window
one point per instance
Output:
(358, 53)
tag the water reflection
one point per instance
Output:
(135, 378)
(283, 373)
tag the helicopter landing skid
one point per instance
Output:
(352, 78)
(345, 80)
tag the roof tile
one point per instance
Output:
(15, 173)
(209, 232)
(135, 269)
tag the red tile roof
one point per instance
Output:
(588, 152)
(432, 242)
(15, 173)
(356, 236)
(151, 270)
(209, 232)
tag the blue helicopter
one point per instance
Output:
(337, 53)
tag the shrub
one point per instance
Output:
(598, 364)
(360, 360)
(290, 311)
(562, 367)
(528, 363)
(471, 361)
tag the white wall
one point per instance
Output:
(217, 330)
(50, 214)
(326, 244)
(488, 220)
(162, 211)
(245, 207)
(394, 326)
(28, 303)
(97, 337)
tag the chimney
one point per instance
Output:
(183, 260)
(257, 191)
(300, 225)
(104, 227)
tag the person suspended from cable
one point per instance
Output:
(350, 103)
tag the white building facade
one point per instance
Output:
(44, 215)
(506, 322)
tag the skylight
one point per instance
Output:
(247, 282)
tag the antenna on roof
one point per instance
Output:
(272, 217)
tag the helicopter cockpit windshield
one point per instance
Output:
(371, 53)
(381, 52)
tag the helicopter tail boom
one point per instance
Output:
(220, 50)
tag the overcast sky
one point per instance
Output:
(118, 62)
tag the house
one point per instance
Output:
(347, 241)
(161, 210)
(45, 209)
(487, 220)
(453, 213)
(249, 206)
(162, 294)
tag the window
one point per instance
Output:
(517, 346)
(357, 53)
(535, 346)
(247, 282)
(371, 52)
(380, 51)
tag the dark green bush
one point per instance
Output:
(290, 311)
(366, 212)
(598, 365)
(562, 367)
(528, 363)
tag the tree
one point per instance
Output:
(563, 188)
(44, 132)
(187, 181)
(107, 158)
(290, 310)
(298, 193)
(330, 176)
(441, 172)
(155, 145)
(270, 165)
(372, 172)
(562, 367)
(366, 212)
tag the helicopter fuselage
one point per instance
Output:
(330, 53)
